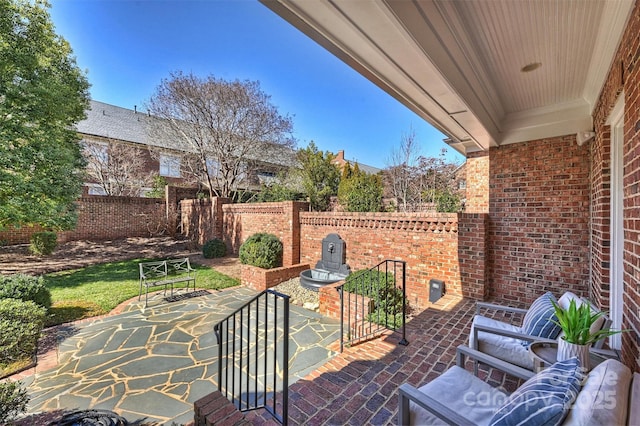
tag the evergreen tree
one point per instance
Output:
(360, 191)
(319, 176)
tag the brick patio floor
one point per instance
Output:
(359, 386)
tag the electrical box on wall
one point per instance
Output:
(436, 290)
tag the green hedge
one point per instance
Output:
(214, 248)
(261, 250)
(13, 400)
(25, 287)
(20, 326)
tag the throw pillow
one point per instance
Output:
(539, 319)
(544, 399)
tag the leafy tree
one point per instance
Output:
(225, 128)
(319, 176)
(278, 192)
(157, 187)
(359, 191)
(448, 202)
(285, 186)
(43, 94)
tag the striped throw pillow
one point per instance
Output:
(538, 321)
(544, 399)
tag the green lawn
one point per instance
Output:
(96, 290)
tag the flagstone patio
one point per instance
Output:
(150, 365)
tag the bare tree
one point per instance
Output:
(417, 181)
(435, 176)
(118, 168)
(402, 172)
(223, 127)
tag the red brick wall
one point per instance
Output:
(262, 279)
(600, 217)
(105, 218)
(429, 243)
(623, 77)
(472, 254)
(200, 221)
(477, 176)
(281, 219)
(539, 219)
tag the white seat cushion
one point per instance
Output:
(604, 398)
(462, 392)
(505, 348)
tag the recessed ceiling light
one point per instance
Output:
(531, 67)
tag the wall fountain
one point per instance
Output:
(331, 268)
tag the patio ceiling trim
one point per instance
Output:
(426, 54)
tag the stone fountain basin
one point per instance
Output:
(313, 279)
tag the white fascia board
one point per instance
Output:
(612, 25)
(559, 120)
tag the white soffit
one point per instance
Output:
(458, 64)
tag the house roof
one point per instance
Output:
(340, 160)
(110, 121)
(486, 72)
(365, 168)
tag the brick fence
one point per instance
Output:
(430, 243)
(240, 221)
(105, 218)
(445, 246)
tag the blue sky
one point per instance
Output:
(127, 47)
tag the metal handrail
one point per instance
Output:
(371, 305)
(253, 355)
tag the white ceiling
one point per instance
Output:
(457, 63)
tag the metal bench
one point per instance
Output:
(165, 273)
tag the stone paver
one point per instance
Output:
(153, 363)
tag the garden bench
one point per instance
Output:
(163, 273)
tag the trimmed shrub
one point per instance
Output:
(20, 327)
(214, 248)
(13, 400)
(381, 288)
(25, 287)
(43, 243)
(261, 250)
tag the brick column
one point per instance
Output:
(472, 254)
(217, 216)
(171, 205)
(293, 257)
(477, 182)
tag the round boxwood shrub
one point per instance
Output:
(20, 326)
(214, 248)
(261, 250)
(25, 287)
(43, 243)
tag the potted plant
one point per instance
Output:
(576, 323)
